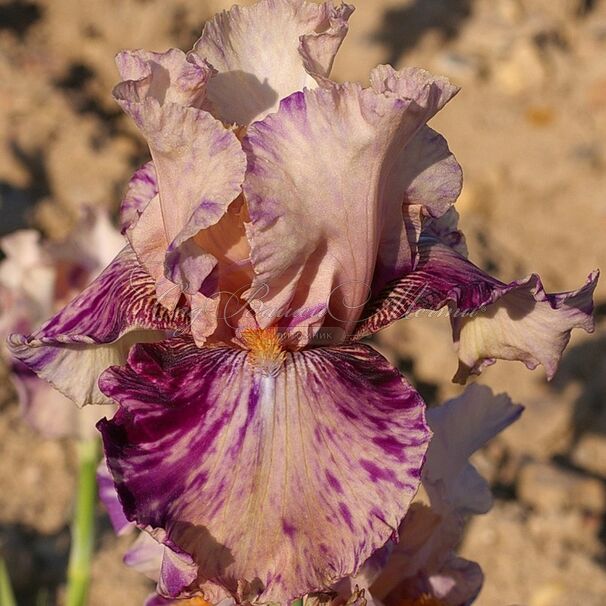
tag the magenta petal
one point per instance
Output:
(491, 320)
(109, 497)
(276, 485)
(172, 570)
(97, 329)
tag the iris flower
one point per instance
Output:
(282, 218)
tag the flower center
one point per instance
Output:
(266, 351)
(195, 601)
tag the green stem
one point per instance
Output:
(7, 597)
(83, 524)
(297, 602)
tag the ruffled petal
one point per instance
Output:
(326, 191)
(267, 51)
(515, 321)
(277, 485)
(199, 168)
(461, 426)
(172, 571)
(97, 329)
(525, 324)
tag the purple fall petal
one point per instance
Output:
(277, 484)
(97, 329)
(491, 320)
(109, 497)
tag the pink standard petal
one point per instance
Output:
(199, 168)
(326, 189)
(267, 51)
(97, 329)
(142, 187)
(276, 485)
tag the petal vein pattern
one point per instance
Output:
(97, 329)
(325, 191)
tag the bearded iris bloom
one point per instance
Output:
(282, 218)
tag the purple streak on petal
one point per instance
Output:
(141, 188)
(96, 330)
(529, 324)
(230, 462)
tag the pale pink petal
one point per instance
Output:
(325, 192)
(491, 320)
(198, 165)
(142, 187)
(526, 324)
(27, 282)
(49, 412)
(267, 51)
(461, 427)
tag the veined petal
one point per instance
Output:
(325, 191)
(142, 187)
(199, 168)
(267, 51)
(277, 485)
(515, 321)
(97, 329)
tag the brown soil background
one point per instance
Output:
(529, 128)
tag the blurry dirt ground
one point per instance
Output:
(529, 128)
